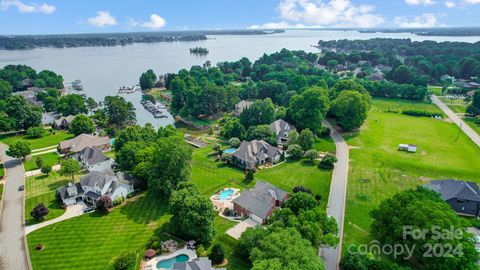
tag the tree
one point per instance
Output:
(194, 214)
(295, 151)
(217, 255)
(311, 155)
(402, 75)
(91, 104)
(308, 109)
(35, 132)
(119, 112)
(39, 162)
(328, 162)
(474, 107)
(351, 109)
(72, 104)
(306, 139)
(171, 164)
(261, 132)
(234, 142)
(217, 148)
(104, 203)
(423, 210)
(5, 89)
(302, 189)
(69, 167)
(285, 249)
(23, 115)
(260, 112)
(233, 128)
(292, 137)
(148, 80)
(82, 124)
(46, 169)
(20, 149)
(300, 201)
(250, 239)
(39, 212)
(124, 261)
(249, 176)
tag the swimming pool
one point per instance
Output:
(229, 150)
(168, 263)
(226, 194)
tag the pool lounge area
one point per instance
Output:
(166, 262)
(229, 150)
(223, 199)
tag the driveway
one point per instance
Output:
(457, 120)
(13, 253)
(237, 230)
(71, 212)
(336, 199)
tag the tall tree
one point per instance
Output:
(306, 139)
(474, 107)
(308, 109)
(82, 124)
(119, 112)
(260, 112)
(69, 167)
(351, 109)
(72, 104)
(20, 149)
(148, 80)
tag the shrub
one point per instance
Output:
(234, 142)
(228, 212)
(249, 175)
(39, 162)
(328, 162)
(295, 151)
(104, 203)
(311, 155)
(217, 255)
(117, 201)
(35, 132)
(124, 261)
(420, 113)
(217, 148)
(201, 252)
(47, 169)
(150, 253)
(301, 189)
(39, 212)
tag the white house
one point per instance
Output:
(93, 159)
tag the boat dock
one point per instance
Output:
(128, 89)
(154, 108)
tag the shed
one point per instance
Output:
(411, 148)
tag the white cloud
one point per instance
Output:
(473, 1)
(156, 22)
(420, 2)
(319, 13)
(282, 25)
(103, 18)
(450, 4)
(424, 20)
(27, 8)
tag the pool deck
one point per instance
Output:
(152, 264)
(220, 205)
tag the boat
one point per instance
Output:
(154, 108)
(128, 89)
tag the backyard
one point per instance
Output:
(50, 139)
(378, 170)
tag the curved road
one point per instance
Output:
(336, 199)
(13, 254)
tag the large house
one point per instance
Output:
(241, 106)
(94, 185)
(82, 141)
(462, 196)
(259, 202)
(282, 129)
(202, 263)
(63, 122)
(93, 159)
(254, 153)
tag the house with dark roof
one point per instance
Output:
(94, 185)
(202, 263)
(93, 159)
(241, 106)
(462, 196)
(254, 153)
(282, 129)
(259, 202)
(82, 141)
(63, 122)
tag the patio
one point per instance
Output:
(152, 264)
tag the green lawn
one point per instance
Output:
(436, 90)
(42, 189)
(48, 159)
(378, 170)
(473, 123)
(46, 141)
(91, 241)
(2, 171)
(456, 105)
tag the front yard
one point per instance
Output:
(51, 159)
(48, 140)
(378, 170)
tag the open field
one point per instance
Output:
(42, 189)
(436, 90)
(51, 159)
(378, 170)
(398, 106)
(46, 141)
(456, 105)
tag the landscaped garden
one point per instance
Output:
(378, 170)
(48, 159)
(50, 139)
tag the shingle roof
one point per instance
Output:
(255, 150)
(92, 155)
(64, 191)
(92, 195)
(98, 179)
(280, 127)
(201, 263)
(67, 119)
(82, 141)
(453, 189)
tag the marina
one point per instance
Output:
(157, 109)
(128, 89)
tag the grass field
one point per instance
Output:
(456, 105)
(42, 189)
(436, 90)
(48, 159)
(46, 141)
(378, 170)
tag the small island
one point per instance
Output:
(199, 50)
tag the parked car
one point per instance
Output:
(21, 188)
(88, 209)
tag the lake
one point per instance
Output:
(103, 70)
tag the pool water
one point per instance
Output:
(226, 194)
(229, 150)
(168, 263)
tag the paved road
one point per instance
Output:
(13, 254)
(336, 199)
(457, 120)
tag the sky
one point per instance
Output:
(91, 16)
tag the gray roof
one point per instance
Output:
(92, 195)
(281, 128)
(67, 120)
(98, 179)
(258, 200)
(79, 143)
(202, 263)
(453, 189)
(48, 118)
(252, 151)
(91, 155)
(65, 190)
